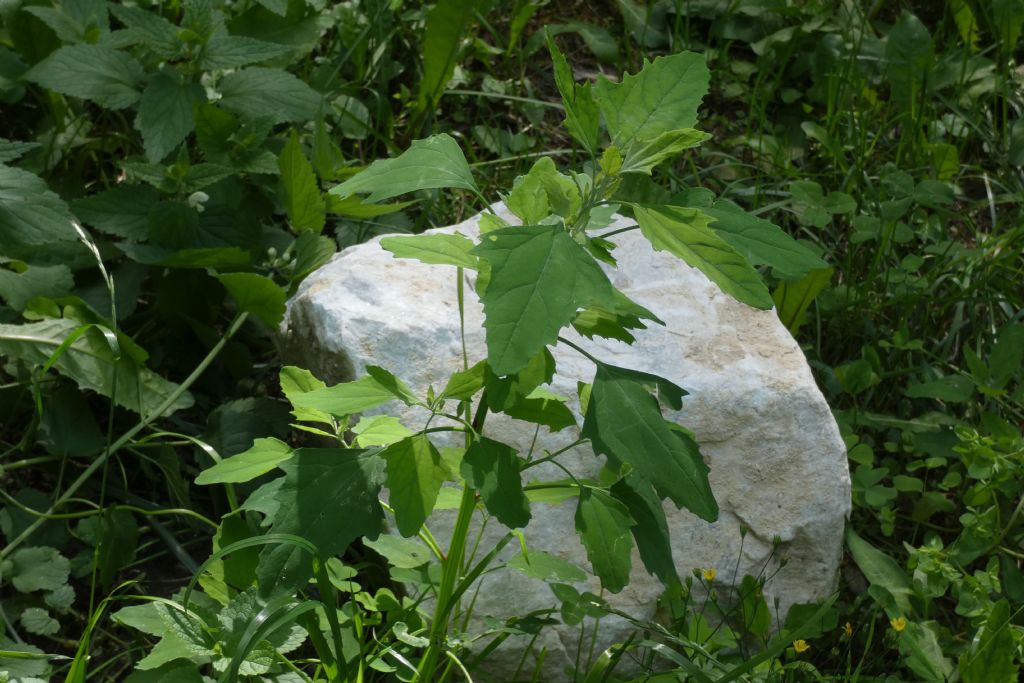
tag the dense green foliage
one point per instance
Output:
(169, 173)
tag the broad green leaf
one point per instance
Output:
(30, 214)
(31, 667)
(625, 424)
(1007, 353)
(10, 150)
(923, 655)
(165, 114)
(762, 242)
(176, 671)
(451, 250)
(38, 568)
(16, 288)
(882, 571)
(908, 59)
(122, 211)
(380, 430)
(264, 456)
(297, 381)
(613, 319)
(492, 468)
(757, 619)
(505, 392)
(540, 277)
(38, 621)
(651, 529)
(302, 200)
(814, 207)
(414, 477)
(258, 91)
(792, 299)
(345, 399)
(464, 384)
(547, 567)
(114, 534)
(447, 23)
(953, 389)
(108, 77)
(158, 34)
(311, 252)
(354, 207)
(582, 119)
(642, 156)
(404, 553)
(390, 382)
(257, 657)
(257, 295)
(430, 164)
(230, 52)
(604, 527)
(662, 98)
(543, 408)
(329, 497)
(685, 233)
(91, 364)
(543, 191)
(992, 657)
(528, 200)
(237, 571)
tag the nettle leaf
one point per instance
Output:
(430, 164)
(91, 364)
(380, 430)
(450, 250)
(30, 214)
(624, 423)
(329, 497)
(165, 114)
(643, 155)
(685, 234)
(230, 52)
(540, 277)
(39, 568)
(258, 91)
(38, 621)
(108, 77)
(613, 319)
(492, 468)
(414, 476)
(543, 191)
(48, 281)
(345, 399)
(651, 531)
(544, 408)
(582, 118)
(264, 456)
(604, 527)
(761, 241)
(303, 202)
(661, 98)
(158, 34)
(297, 381)
(121, 211)
(464, 384)
(257, 295)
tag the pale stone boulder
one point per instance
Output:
(778, 465)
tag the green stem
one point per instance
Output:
(128, 436)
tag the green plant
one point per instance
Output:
(536, 279)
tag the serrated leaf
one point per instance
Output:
(403, 553)
(165, 114)
(108, 77)
(452, 250)
(643, 155)
(662, 97)
(122, 211)
(60, 599)
(414, 476)
(14, 149)
(762, 242)
(38, 621)
(345, 399)
(380, 430)
(297, 381)
(447, 22)
(302, 199)
(257, 295)
(685, 234)
(613, 319)
(582, 119)
(230, 52)
(91, 364)
(30, 214)
(393, 384)
(17, 288)
(792, 299)
(434, 163)
(274, 93)
(538, 564)
(264, 456)
(158, 34)
(464, 384)
(625, 424)
(543, 408)
(492, 468)
(604, 527)
(38, 568)
(329, 497)
(540, 277)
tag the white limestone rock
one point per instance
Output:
(778, 465)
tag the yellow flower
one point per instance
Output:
(801, 646)
(709, 574)
(898, 624)
(848, 629)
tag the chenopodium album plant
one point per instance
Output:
(534, 280)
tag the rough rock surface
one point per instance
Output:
(778, 465)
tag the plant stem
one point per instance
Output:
(235, 325)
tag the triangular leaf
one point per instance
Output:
(257, 92)
(345, 399)
(651, 530)
(165, 114)
(604, 527)
(30, 214)
(415, 473)
(108, 77)
(264, 456)
(302, 200)
(451, 250)
(492, 468)
(257, 295)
